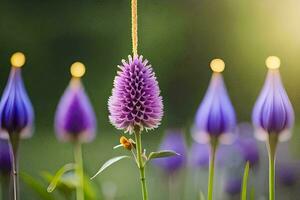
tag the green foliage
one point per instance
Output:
(57, 177)
(109, 163)
(37, 186)
(202, 197)
(245, 181)
(162, 154)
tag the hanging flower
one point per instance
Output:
(16, 112)
(174, 140)
(215, 116)
(5, 158)
(135, 100)
(75, 119)
(273, 112)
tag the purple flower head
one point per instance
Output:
(233, 186)
(246, 144)
(5, 158)
(215, 116)
(16, 112)
(135, 100)
(173, 140)
(75, 118)
(273, 112)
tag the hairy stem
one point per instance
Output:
(79, 170)
(134, 27)
(141, 164)
(271, 145)
(213, 149)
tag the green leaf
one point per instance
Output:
(37, 186)
(109, 163)
(162, 154)
(90, 189)
(202, 197)
(245, 181)
(57, 177)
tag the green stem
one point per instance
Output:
(271, 145)
(14, 145)
(213, 148)
(141, 165)
(245, 182)
(79, 170)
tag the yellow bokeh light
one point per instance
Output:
(18, 59)
(273, 62)
(217, 65)
(77, 69)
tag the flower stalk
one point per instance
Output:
(213, 149)
(134, 27)
(141, 163)
(14, 144)
(271, 145)
(79, 171)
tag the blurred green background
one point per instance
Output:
(178, 37)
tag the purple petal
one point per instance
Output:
(174, 140)
(216, 115)
(75, 118)
(16, 112)
(273, 111)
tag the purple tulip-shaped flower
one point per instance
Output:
(215, 116)
(5, 158)
(75, 119)
(273, 116)
(16, 112)
(175, 141)
(273, 112)
(135, 100)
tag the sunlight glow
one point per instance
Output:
(18, 59)
(77, 69)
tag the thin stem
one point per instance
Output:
(245, 182)
(79, 170)
(134, 27)
(213, 148)
(141, 165)
(14, 145)
(271, 145)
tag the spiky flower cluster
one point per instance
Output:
(135, 100)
